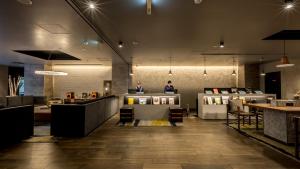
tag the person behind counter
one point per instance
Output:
(169, 87)
(139, 88)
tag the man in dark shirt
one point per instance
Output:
(169, 87)
(139, 88)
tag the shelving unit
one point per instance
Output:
(219, 111)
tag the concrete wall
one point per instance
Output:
(34, 84)
(3, 80)
(189, 80)
(290, 78)
(80, 79)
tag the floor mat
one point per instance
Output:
(149, 123)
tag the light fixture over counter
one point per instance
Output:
(284, 62)
(50, 73)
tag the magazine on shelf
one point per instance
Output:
(171, 101)
(216, 91)
(224, 92)
(208, 92)
(209, 100)
(142, 100)
(218, 100)
(156, 100)
(130, 101)
(225, 99)
(163, 100)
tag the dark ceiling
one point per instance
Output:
(185, 31)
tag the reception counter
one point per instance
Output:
(278, 121)
(154, 106)
(78, 120)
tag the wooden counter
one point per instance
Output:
(268, 106)
(278, 121)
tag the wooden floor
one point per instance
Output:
(197, 145)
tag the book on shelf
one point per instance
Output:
(218, 100)
(243, 99)
(156, 100)
(258, 92)
(130, 101)
(143, 101)
(225, 99)
(163, 100)
(242, 92)
(216, 91)
(209, 100)
(171, 101)
(208, 92)
(224, 92)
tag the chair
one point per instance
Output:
(236, 108)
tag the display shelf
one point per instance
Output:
(208, 108)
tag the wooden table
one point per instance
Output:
(278, 121)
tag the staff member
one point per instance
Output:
(169, 87)
(139, 87)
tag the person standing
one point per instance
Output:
(139, 88)
(169, 87)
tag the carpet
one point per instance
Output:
(150, 123)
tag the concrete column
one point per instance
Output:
(120, 76)
(3, 80)
(34, 84)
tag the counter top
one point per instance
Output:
(268, 106)
(152, 94)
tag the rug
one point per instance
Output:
(150, 123)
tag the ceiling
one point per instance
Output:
(48, 25)
(177, 29)
(187, 32)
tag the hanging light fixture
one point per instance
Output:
(204, 62)
(284, 62)
(149, 7)
(131, 70)
(170, 71)
(50, 72)
(222, 44)
(262, 73)
(233, 70)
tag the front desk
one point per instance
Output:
(152, 106)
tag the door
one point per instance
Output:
(273, 84)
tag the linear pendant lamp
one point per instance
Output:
(149, 7)
(284, 62)
(50, 73)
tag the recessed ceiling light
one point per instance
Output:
(92, 5)
(25, 2)
(121, 44)
(197, 1)
(289, 4)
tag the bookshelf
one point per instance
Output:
(214, 106)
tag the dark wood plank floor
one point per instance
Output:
(198, 145)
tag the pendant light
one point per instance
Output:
(233, 70)
(262, 73)
(284, 62)
(170, 71)
(131, 70)
(50, 72)
(204, 62)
